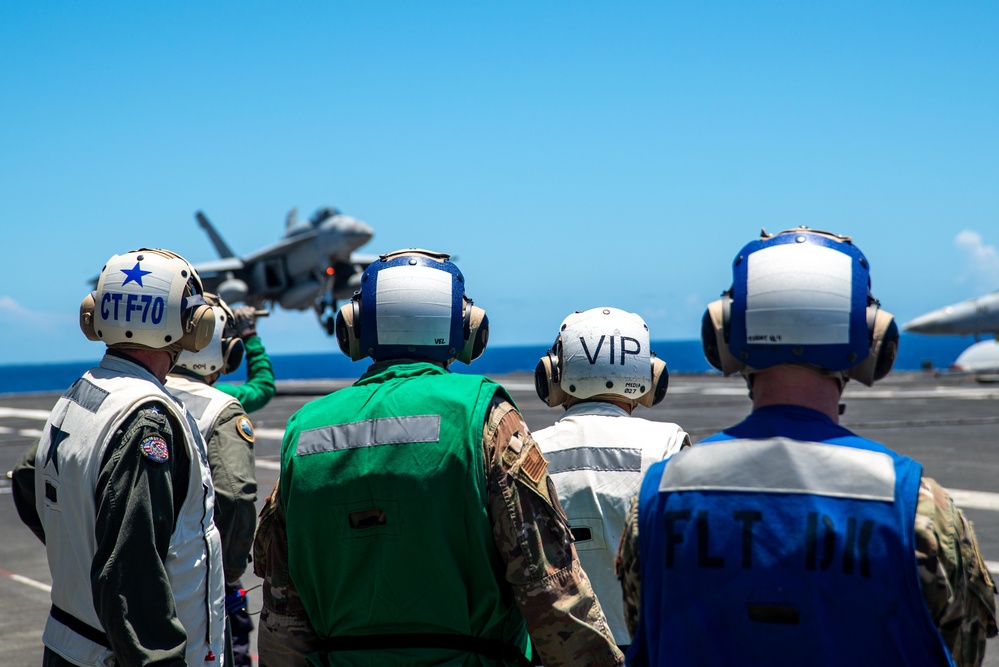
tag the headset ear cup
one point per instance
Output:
(660, 383)
(882, 332)
(546, 381)
(714, 337)
(200, 330)
(476, 329)
(87, 308)
(347, 327)
(233, 350)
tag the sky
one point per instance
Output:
(570, 154)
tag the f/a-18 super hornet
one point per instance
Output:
(970, 317)
(313, 265)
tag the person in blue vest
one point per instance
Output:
(414, 522)
(787, 539)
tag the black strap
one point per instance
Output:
(489, 648)
(79, 627)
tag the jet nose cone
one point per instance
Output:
(921, 324)
(949, 320)
(357, 231)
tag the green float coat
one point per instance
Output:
(429, 563)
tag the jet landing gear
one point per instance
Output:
(326, 312)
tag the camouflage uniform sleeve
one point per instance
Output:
(564, 619)
(284, 634)
(956, 583)
(627, 565)
(231, 459)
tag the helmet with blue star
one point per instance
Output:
(224, 353)
(148, 298)
(412, 305)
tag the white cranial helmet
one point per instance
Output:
(148, 298)
(224, 353)
(601, 354)
(605, 351)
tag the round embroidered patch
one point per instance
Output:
(245, 428)
(155, 448)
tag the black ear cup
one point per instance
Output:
(710, 340)
(348, 328)
(660, 383)
(476, 333)
(233, 350)
(714, 335)
(882, 334)
(547, 378)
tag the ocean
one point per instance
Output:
(681, 356)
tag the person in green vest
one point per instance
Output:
(414, 522)
(259, 387)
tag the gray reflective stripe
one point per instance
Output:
(196, 405)
(594, 458)
(387, 431)
(781, 465)
(87, 395)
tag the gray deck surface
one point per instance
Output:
(950, 424)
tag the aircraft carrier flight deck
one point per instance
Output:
(948, 423)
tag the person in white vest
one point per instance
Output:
(228, 434)
(118, 486)
(599, 369)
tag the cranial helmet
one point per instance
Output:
(148, 298)
(801, 297)
(224, 353)
(601, 353)
(412, 304)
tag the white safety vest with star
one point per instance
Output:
(597, 455)
(68, 461)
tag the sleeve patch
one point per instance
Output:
(534, 464)
(245, 428)
(155, 449)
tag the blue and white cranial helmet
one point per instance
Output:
(412, 305)
(800, 297)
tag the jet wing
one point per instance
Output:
(282, 246)
(219, 266)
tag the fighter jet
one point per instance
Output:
(313, 265)
(973, 316)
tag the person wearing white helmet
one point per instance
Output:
(599, 370)
(119, 488)
(413, 522)
(229, 437)
(787, 539)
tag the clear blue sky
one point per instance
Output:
(571, 154)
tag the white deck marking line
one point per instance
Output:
(27, 581)
(993, 566)
(40, 415)
(267, 464)
(978, 500)
(269, 433)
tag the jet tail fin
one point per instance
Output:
(221, 246)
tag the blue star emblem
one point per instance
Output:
(134, 275)
(56, 436)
